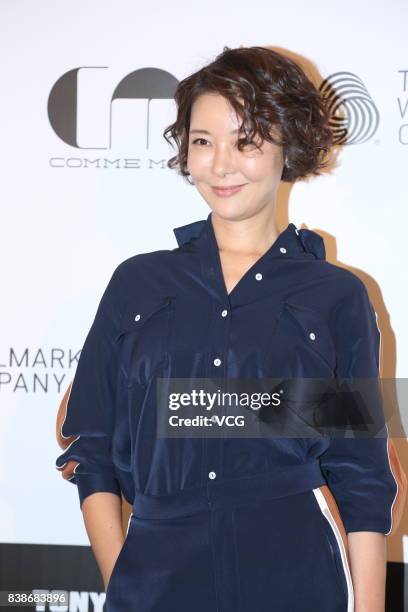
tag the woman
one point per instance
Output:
(227, 522)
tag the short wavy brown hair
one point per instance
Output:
(275, 92)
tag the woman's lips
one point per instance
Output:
(225, 192)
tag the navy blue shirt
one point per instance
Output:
(168, 314)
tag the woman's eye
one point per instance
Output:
(251, 143)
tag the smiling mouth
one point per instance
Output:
(228, 186)
(227, 191)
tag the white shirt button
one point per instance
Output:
(224, 313)
(312, 336)
(282, 250)
(217, 362)
(137, 317)
(258, 276)
(212, 475)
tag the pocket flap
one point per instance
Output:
(138, 313)
(315, 331)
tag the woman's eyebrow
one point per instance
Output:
(209, 133)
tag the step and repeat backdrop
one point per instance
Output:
(87, 90)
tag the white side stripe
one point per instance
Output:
(321, 500)
(128, 525)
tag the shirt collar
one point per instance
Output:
(290, 243)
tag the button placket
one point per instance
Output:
(219, 338)
(221, 335)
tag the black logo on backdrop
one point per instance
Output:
(144, 83)
(354, 116)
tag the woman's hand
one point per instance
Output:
(102, 513)
(368, 561)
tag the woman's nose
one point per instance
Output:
(223, 162)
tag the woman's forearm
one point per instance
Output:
(368, 561)
(102, 514)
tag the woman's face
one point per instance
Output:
(214, 160)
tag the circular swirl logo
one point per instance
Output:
(354, 118)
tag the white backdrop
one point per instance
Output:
(66, 224)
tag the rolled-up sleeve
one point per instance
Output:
(86, 416)
(358, 469)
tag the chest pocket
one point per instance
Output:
(145, 338)
(314, 333)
